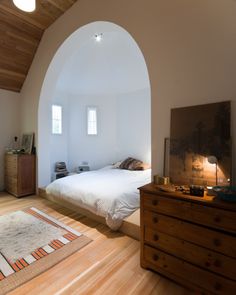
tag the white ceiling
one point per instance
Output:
(115, 65)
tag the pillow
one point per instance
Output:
(143, 166)
(116, 165)
(132, 164)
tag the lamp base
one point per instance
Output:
(210, 191)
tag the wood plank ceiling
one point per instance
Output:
(20, 34)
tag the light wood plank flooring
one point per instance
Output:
(108, 265)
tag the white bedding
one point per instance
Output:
(108, 192)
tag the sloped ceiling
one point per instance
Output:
(20, 34)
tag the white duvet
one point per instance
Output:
(108, 192)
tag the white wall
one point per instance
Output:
(59, 142)
(97, 150)
(189, 47)
(134, 125)
(9, 126)
(123, 129)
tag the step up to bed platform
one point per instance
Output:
(130, 225)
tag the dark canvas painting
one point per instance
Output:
(197, 133)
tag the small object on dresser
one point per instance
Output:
(196, 190)
(169, 188)
(225, 193)
(210, 191)
(161, 180)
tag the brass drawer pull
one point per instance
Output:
(154, 202)
(155, 219)
(207, 264)
(217, 242)
(217, 219)
(155, 237)
(217, 263)
(217, 286)
(155, 257)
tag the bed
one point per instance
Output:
(107, 192)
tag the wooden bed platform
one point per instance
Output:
(130, 226)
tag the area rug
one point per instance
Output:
(30, 243)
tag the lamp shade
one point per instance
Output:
(212, 159)
(25, 5)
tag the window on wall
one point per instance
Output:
(56, 119)
(92, 121)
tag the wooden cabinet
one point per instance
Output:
(20, 174)
(191, 240)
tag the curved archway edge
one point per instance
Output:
(66, 50)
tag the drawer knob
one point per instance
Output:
(207, 264)
(217, 263)
(154, 202)
(217, 219)
(217, 242)
(217, 286)
(155, 238)
(155, 219)
(155, 257)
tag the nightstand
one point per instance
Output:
(58, 175)
(20, 174)
(83, 168)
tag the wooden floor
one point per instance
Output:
(108, 265)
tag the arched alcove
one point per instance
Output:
(76, 52)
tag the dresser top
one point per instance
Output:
(211, 201)
(11, 155)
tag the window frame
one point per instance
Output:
(61, 119)
(92, 108)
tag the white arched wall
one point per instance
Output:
(65, 53)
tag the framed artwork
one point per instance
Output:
(27, 143)
(198, 134)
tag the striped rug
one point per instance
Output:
(17, 266)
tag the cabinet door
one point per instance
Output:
(26, 175)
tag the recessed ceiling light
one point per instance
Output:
(98, 37)
(25, 5)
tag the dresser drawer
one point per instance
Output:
(206, 215)
(11, 185)
(158, 259)
(195, 234)
(11, 159)
(192, 253)
(10, 171)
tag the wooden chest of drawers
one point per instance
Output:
(20, 174)
(191, 240)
